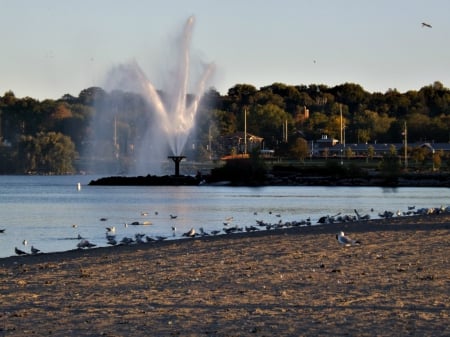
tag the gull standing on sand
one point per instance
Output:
(34, 250)
(85, 244)
(19, 252)
(190, 234)
(345, 240)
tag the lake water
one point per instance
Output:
(49, 212)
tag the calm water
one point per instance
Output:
(49, 212)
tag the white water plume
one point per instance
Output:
(174, 106)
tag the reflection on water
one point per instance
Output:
(50, 212)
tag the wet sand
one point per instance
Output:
(292, 282)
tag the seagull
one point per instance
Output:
(190, 234)
(24, 242)
(34, 250)
(345, 240)
(2, 230)
(19, 252)
(126, 241)
(173, 216)
(202, 232)
(85, 244)
(427, 25)
(111, 241)
(139, 237)
(111, 230)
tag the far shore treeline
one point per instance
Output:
(52, 136)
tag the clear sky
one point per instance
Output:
(53, 47)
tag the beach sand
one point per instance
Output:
(292, 282)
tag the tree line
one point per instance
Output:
(51, 136)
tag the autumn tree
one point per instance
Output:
(300, 149)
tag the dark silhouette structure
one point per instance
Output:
(177, 160)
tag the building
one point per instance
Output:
(235, 143)
(329, 147)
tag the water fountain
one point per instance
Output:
(174, 108)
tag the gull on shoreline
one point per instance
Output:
(190, 233)
(111, 230)
(345, 240)
(85, 244)
(19, 252)
(35, 250)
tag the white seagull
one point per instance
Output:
(111, 230)
(190, 234)
(345, 240)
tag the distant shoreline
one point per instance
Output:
(284, 179)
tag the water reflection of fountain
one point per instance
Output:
(174, 108)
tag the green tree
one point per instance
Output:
(47, 152)
(267, 121)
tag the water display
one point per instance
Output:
(174, 106)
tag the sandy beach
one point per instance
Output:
(291, 282)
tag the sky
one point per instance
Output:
(54, 47)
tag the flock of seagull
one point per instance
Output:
(229, 228)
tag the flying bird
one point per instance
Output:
(424, 24)
(345, 240)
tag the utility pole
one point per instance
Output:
(286, 132)
(342, 144)
(245, 131)
(405, 133)
(116, 146)
(209, 141)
